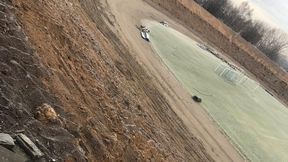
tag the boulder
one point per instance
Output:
(46, 112)
(9, 156)
(6, 140)
(28, 146)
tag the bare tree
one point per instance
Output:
(282, 61)
(273, 42)
(237, 17)
(253, 32)
(215, 7)
(270, 41)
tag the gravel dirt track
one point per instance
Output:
(128, 15)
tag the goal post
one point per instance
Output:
(235, 77)
(229, 74)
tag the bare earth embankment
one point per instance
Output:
(68, 54)
(115, 99)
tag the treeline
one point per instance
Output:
(239, 18)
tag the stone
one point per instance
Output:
(46, 112)
(6, 140)
(9, 156)
(28, 146)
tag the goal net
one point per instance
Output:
(236, 77)
(230, 75)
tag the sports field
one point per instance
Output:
(255, 121)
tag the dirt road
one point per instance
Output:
(128, 15)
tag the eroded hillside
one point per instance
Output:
(67, 54)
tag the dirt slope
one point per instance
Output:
(66, 54)
(22, 91)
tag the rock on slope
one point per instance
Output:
(21, 90)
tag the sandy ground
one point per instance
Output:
(128, 15)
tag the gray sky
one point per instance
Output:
(274, 12)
